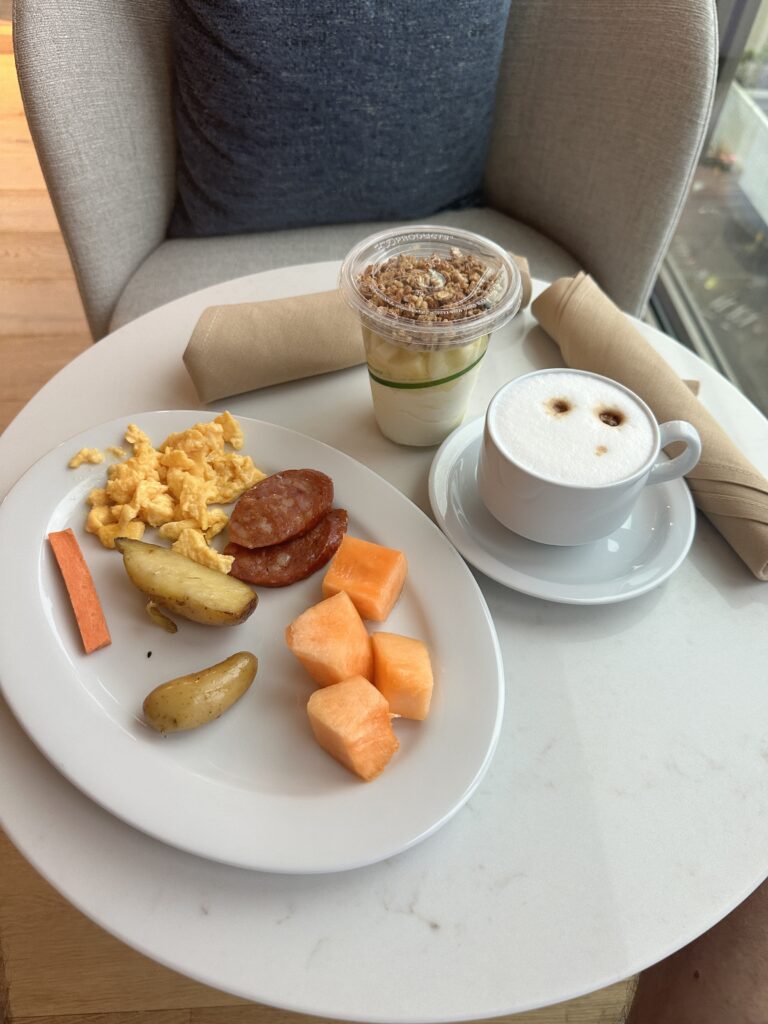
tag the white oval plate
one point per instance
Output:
(634, 559)
(251, 789)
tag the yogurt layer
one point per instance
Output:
(421, 395)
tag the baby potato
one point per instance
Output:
(159, 618)
(185, 587)
(192, 700)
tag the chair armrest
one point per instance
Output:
(96, 84)
(602, 110)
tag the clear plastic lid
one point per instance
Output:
(430, 286)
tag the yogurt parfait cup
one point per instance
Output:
(428, 298)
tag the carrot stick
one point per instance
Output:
(81, 590)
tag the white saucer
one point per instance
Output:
(640, 555)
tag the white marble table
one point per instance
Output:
(626, 810)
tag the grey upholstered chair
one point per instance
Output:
(601, 114)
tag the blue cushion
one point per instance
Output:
(292, 113)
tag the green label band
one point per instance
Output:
(413, 385)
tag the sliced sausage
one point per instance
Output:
(280, 506)
(281, 564)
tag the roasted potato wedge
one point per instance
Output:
(184, 587)
(159, 617)
(192, 700)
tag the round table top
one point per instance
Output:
(624, 812)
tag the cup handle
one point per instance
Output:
(671, 469)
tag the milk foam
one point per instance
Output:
(551, 424)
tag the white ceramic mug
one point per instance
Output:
(551, 511)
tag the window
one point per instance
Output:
(712, 293)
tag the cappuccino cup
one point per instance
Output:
(566, 454)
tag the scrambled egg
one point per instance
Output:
(92, 455)
(172, 488)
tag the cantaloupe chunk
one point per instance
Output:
(372, 575)
(351, 722)
(402, 671)
(331, 642)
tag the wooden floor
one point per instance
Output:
(56, 967)
(42, 326)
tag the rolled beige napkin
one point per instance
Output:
(593, 334)
(525, 277)
(250, 345)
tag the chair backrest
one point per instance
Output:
(601, 113)
(95, 78)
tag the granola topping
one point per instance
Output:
(431, 289)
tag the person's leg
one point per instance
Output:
(720, 978)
